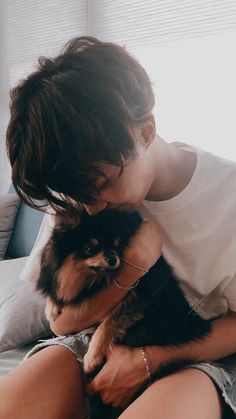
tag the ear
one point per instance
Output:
(148, 130)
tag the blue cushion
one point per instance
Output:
(26, 227)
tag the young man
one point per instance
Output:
(82, 130)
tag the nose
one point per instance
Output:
(111, 260)
(95, 209)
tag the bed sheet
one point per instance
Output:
(10, 359)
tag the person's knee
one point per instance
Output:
(189, 380)
(49, 384)
(190, 383)
(189, 392)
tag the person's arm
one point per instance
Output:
(74, 319)
(144, 250)
(219, 343)
(126, 365)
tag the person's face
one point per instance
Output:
(126, 190)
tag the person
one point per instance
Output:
(82, 130)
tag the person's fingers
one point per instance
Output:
(92, 387)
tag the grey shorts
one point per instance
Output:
(222, 372)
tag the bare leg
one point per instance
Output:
(188, 393)
(47, 385)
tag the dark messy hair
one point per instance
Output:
(75, 110)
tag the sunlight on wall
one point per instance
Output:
(195, 86)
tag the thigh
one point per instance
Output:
(47, 385)
(189, 393)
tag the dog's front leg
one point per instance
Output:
(97, 347)
(111, 330)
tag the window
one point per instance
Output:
(188, 49)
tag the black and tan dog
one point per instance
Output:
(83, 256)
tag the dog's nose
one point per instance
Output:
(111, 260)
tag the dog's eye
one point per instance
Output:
(88, 250)
(91, 247)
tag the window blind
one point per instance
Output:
(34, 28)
(145, 22)
(206, 29)
(187, 48)
(29, 29)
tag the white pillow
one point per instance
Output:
(8, 208)
(31, 270)
(22, 318)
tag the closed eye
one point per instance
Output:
(105, 185)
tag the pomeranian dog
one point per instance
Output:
(83, 256)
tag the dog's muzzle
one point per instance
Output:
(104, 262)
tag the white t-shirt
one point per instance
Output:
(199, 230)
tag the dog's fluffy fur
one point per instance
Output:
(83, 256)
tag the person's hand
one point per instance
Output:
(66, 321)
(121, 377)
(52, 310)
(144, 250)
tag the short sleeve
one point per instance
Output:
(230, 294)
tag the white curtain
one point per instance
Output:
(187, 47)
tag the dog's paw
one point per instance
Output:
(52, 310)
(92, 361)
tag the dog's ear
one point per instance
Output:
(49, 266)
(70, 217)
(71, 278)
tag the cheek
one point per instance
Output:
(129, 188)
(128, 192)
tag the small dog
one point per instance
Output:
(84, 255)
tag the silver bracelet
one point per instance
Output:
(126, 287)
(146, 364)
(129, 262)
